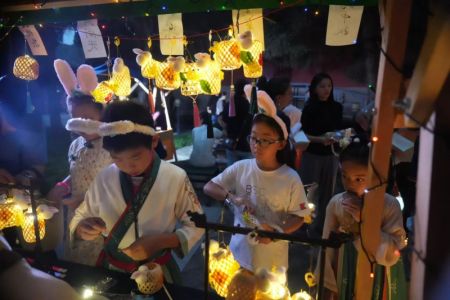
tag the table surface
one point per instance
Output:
(80, 276)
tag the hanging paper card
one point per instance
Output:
(33, 39)
(249, 20)
(343, 25)
(171, 34)
(91, 39)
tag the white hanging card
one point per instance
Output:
(249, 20)
(91, 38)
(33, 39)
(343, 25)
(171, 34)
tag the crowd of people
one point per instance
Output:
(126, 206)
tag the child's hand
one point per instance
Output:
(72, 202)
(353, 207)
(90, 228)
(143, 248)
(264, 240)
(245, 202)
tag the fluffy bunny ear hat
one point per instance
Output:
(85, 81)
(108, 129)
(267, 106)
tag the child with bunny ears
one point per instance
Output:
(86, 154)
(264, 191)
(344, 214)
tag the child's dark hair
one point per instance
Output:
(82, 99)
(358, 152)
(315, 82)
(287, 154)
(127, 110)
(278, 86)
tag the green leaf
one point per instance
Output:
(205, 86)
(183, 77)
(246, 57)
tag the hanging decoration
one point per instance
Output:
(168, 75)
(251, 55)
(210, 74)
(302, 295)
(272, 284)
(26, 68)
(250, 20)
(171, 34)
(222, 268)
(10, 214)
(149, 278)
(91, 38)
(104, 92)
(121, 78)
(190, 78)
(145, 60)
(343, 25)
(44, 212)
(243, 286)
(228, 52)
(33, 39)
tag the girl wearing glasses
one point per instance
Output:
(264, 191)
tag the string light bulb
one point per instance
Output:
(375, 139)
(372, 275)
(316, 12)
(92, 14)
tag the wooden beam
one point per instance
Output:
(395, 17)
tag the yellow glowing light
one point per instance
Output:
(10, 214)
(28, 228)
(87, 293)
(26, 68)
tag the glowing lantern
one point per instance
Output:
(251, 55)
(103, 93)
(26, 68)
(272, 285)
(28, 228)
(190, 85)
(10, 214)
(121, 78)
(148, 65)
(302, 295)
(166, 77)
(228, 54)
(210, 74)
(149, 278)
(222, 268)
(242, 286)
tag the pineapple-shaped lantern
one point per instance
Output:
(121, 79)
(222, 268)
(251, 55)
(44, 212)
(228, 54)
(10, 214)
(26, 68)
(210, 74)
(190, 77)
(149, 67)
(149, 278)
(168, 74)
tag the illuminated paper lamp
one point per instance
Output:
(149, 278)
(10, 214)
(252, 60)
(166, 77)
(228, 54)
(28, 227)
(26, 68)
(121, 79)
(302, 295)
(103, 93)
(190, 85)
(272, 284)
(145, 60)
(211, 75)
(243, 286)
(222, 268)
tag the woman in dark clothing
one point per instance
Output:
(321, 115)
(238, 127)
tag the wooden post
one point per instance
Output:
(394, 16)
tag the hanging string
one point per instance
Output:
(108, 58)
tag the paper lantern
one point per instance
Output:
(252, 60)
(26, 68)
(242, 286)
(166, 77)
(210, 74)
(121, 79)
(103, 93)
(149, 278)
(190, 85)
(272, 284)
(10, 214)
(228, 54)
(28, 228)
(148, 65)
(302, 295)
(222, 268)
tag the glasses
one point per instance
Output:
(262, 142)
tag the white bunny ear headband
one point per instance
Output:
(107, 129)
(266, 104)
(85, 81)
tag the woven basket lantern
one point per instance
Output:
(243, 286)
(10, 215)
(190, 76)
(227, 54)
(222, 268)
(26, 68)
(252, 60)
(103, 93)
(149, 278)
(210, 78)
(28, 228)
(150, 69)
(167, 78)
(121, 79)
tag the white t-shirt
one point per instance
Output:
(274, 194)
(294, 115)
(202, 150)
